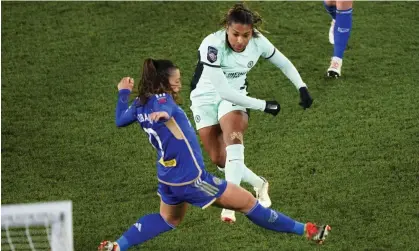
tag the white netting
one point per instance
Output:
(40, 226)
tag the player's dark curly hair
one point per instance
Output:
(155, 79)
(240, 13)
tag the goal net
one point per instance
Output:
(37, 226)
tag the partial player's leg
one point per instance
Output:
(237, 198)
(341, 33)
(259, 183)
(206, 121)
(148, 227)
(212, 140)
(330, 7)
(233, 126)
(234, 122)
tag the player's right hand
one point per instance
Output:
(126, 83)
(156, 116)
(272, 107)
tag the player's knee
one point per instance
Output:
(330, 2)
(235, 138)
(343, 5)
(174, 221)
(240, 199)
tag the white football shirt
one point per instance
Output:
(215, 52)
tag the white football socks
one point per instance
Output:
(234, 163)
(235, 169)
(250, 177)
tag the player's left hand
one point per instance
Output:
(156, 116)
(305, 97)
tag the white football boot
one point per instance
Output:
(228, 216)
(108, 246)
(262, 194)
(334, 70)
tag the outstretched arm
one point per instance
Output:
(291, 72)
(269, 52)
(283, 63)
(221, 85)
(124, 115)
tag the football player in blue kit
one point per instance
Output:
(182, 177)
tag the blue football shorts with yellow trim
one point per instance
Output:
(202, 193)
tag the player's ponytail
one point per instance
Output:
(148, 77)
(241, 14)
(155, 79)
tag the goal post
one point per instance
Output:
(37, 226)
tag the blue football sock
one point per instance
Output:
(146, 228)
(330, 9)
(342, 31)
(273, 220)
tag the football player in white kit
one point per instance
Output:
(219, 94)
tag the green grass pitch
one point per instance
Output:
(351, 161)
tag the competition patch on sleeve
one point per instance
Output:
(161, 98)
(212, 54)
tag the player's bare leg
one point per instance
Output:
(233, 125)
(238, 199)
(212, 139)
(260, 184)
(172, 216)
